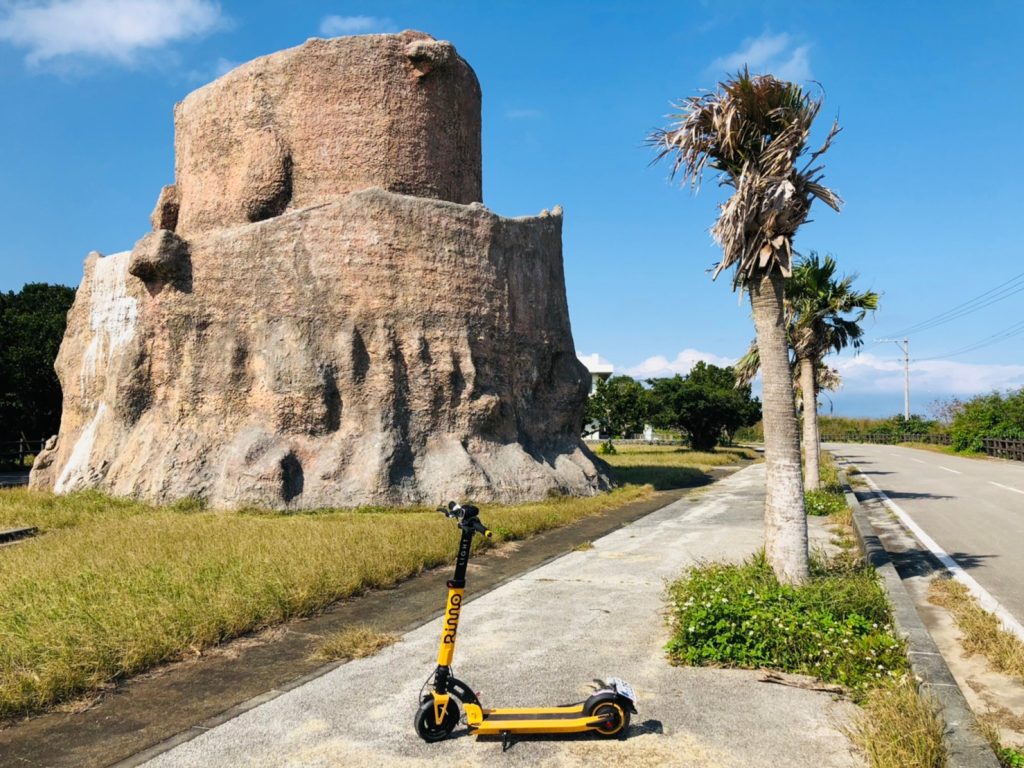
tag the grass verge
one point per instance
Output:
(982, 632)
(829, 499)
(353, 643)
(899, 728)
(113, 587)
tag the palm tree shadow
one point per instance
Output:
(921, 562)
(661, 477)
(914, 495)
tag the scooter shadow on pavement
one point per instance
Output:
(636, 729)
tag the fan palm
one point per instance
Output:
(823, 314)
(826, 315)
(754, 129)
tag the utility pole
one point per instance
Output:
(904, 345)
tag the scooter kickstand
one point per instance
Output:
(506, 742)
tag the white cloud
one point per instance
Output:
(868, 373)
(104, 29)
(331, 26)
(660, 366)
(768, 54)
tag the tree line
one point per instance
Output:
(32, 323)
(706, 407)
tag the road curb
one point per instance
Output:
(965, 745)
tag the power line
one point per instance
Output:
(1007, 333)
(992, 296)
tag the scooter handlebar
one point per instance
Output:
(480, 527)
(467, 515)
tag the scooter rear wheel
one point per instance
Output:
(617, 717)
(427, 727)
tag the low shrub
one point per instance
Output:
(836, 627)
(993, 415)
(823, 503)
(1010, 757)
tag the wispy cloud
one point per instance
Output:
(523, 114)
(768, 54)
(659, 365)
(115, 30)
(223, 66)
(867, 373)
(331, 26)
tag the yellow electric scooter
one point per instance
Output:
(606, 711)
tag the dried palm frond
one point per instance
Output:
(753, 129)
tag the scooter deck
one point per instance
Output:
(568, 719)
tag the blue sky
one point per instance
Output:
(929, 96)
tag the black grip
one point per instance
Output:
(480, 527)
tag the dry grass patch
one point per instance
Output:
(982, 632)
(353, 643)
(899, 727)
(113, 587)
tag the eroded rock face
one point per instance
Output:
(308, 335)
(311, 124)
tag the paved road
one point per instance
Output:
(539, 639)
(13, 477)
(972, 508)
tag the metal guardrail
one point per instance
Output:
(1004, 449)
(886, 438)
(14, 452)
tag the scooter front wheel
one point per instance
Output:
(427, 726)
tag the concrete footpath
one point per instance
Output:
(539, 640)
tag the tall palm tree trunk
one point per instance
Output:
(785, 522)
(812, 448)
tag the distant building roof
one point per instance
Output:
(595, 364)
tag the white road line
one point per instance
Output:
(1007, 487)
(982, 595)
(917, 460)
(954, 471)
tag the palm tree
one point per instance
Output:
(816, 309)
(826, 315)
(753, 129)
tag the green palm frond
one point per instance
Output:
(826, 312)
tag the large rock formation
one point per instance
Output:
(325, 314)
